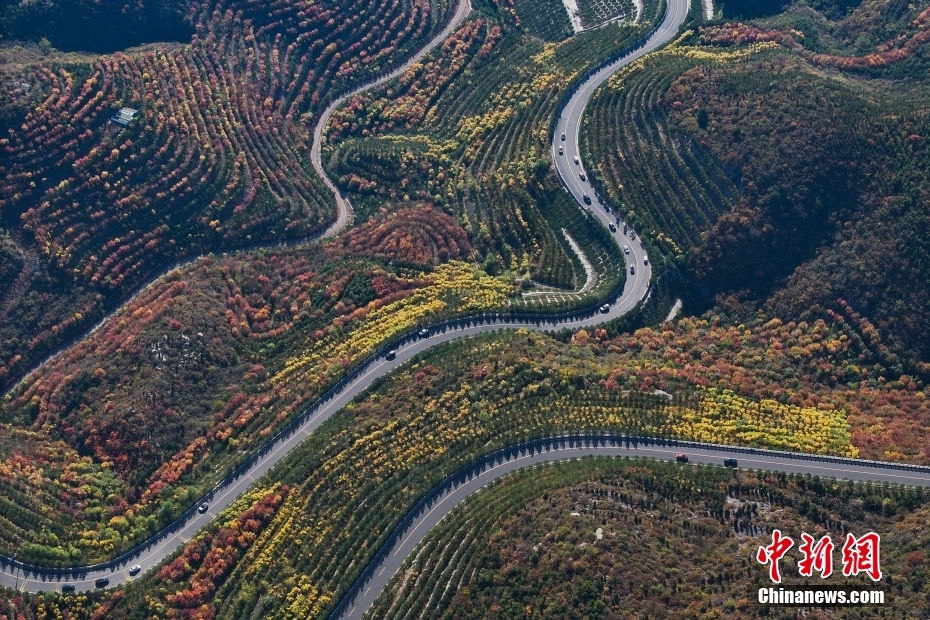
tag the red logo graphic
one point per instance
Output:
(773, 553)
(860, 555)
(816, 556)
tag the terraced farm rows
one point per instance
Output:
(307, 317)
(352, 479)
(551, 542)
(546, 19)
(467, 130)
(670, 187)
(215, 156)
(596, 12)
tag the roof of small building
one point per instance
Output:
(124, 116)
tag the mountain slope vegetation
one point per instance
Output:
(216, 156)
(561, 542)
(785, 164)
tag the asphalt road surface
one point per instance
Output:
(343, 206)
(636, 288)
(446, 503)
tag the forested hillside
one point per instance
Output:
(774, 163)
(152, 410)
(783, 162)
(201, 368)
(468, 129)
(617, 539)
(465, 399)
(216, 156)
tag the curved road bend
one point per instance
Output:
(568, 126)
(152, 556)
(343, 206)
(446, 503)
(635, 289)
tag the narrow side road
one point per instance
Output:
(343, 206)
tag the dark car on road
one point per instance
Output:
(68, 587)
(423, 333)
(729, 462)
(102, 582)
(563, 137)
(681, 458)
(632, 270)
(391, 354)
(612, 228)
(587, 199)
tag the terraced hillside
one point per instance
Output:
(319, 515)
(196, 373)
(552, 543)
(665, 182)
(447, 168)
(214, 158)
(468, 129)
(781, 166)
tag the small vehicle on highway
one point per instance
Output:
(563, 137)
(632, 270)
(632, 235)
(729, 462)
(681, 458)
(612, 227)
(587, 199)
(575, 158)
(68, 587)
(423, 333)
(605, 308)
(391, 354)
(582, 176)
(202, 508)
(134, 570)
(626, 249)
(102, 582)
(645, 260)
(561, 152)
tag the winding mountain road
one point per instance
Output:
(636, 288)
(343, 206)
(454, 494)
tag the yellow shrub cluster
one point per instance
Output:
(728, 418)
(454, 287)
